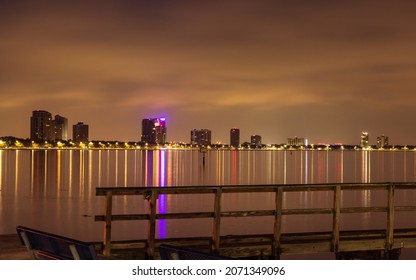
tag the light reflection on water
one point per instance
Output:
(54, 190)
(161, 202)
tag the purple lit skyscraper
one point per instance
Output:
(154, 131)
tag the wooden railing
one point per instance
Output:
(152, 193)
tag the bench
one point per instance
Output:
(168, 252)
(43, 245)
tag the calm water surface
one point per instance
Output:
(54, 190)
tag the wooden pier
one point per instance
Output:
(382, 243)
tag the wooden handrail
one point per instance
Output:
(152, 193)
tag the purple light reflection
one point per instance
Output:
(161, 202)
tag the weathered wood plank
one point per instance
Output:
(365, 234)
(194, 215)
(237, 214)
(408, 243)
(241, 214)
(390, 218)
(139, 244)
(124, 217)
(237, 240)
(405, 232)
(255, 251)
(216, 235)
(101, 191)
(256, 245)
(131, 217)
(107, 224)
(352, 210)
(151, 236)
(306, 248)
(186, 242)
(307, 211)
(362, 245)
(306, 237)
(277, 229)
(404, 208)
(336, 219)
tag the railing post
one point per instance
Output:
(217, 221)
(336, 219)
(107, 223)
(390, 219)
(277, 223)
(28, 245)
(151, 236)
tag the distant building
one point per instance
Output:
(364, 140)
(201, 137)
(154, 131)
(80, 132)
(297, 142)
(60, 128)
(40, 125)
(235, 137)
(44, 128)
(255, 140)
(382, 141)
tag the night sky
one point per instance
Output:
(322, 70)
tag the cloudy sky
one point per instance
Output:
(323, 70)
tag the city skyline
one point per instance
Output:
(325, 70)
(154, 132)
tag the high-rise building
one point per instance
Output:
(201, 137)
(296, 141)
(364, 139)
(382, 141)
(44, 128)
(235, 137)
(60, 128)
(255, 140)
(154, 131)
(40, 125)
(80, 132)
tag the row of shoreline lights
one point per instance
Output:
(117, 145)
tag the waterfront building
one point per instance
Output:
(154, 131)
(382, 141)
(40, 125)
(255, 140)
(364, 139)
(44, 128)
(201, 137)
(235, 137)
(60, 128)
(297, 142)
(80, 132)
